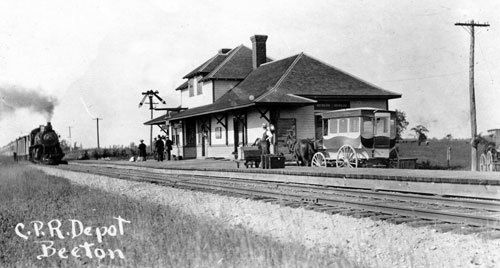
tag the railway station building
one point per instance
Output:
(227, 98)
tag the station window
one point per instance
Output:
(354, 124)
(218, 133)
(343, 125)
(333, 126)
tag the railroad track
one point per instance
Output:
(445, 213)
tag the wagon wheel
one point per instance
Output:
(489, 162)
(347, 157)
(319, 160)
(483, 163)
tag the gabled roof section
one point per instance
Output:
(261, 80)
(208, 65)
(235, 67)
(244, 94)
(182, 86)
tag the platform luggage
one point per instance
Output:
(249, 156)
(272, 161)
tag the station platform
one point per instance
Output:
(460, 184)
(408, 175)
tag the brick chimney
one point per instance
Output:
(258, 50)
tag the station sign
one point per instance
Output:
(332, 105)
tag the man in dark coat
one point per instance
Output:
(168, 144)
(264, 142)
(160, 147)
(142, 150)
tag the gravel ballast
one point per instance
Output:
(364, 241)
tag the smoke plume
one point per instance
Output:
(13, 98)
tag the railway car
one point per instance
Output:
(490, 158)
(22, 147)
(9, 149)
(356, 137)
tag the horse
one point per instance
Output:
(302, 150)
(485, 141)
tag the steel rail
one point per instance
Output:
(464, 202)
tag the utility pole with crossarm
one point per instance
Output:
(471, 25)
(150, 94)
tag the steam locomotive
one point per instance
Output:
(40, 146)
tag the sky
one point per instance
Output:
(95, 57)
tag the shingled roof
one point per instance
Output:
(234, 65)
(208, 65)
(183, 85)
(294, 80)
(158, 120)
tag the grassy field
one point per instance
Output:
(156, 235)
(433, 155)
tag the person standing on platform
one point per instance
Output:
(264, 142)
(272, 139)
(142, 151)
(160, 147)
(155, 155)
(168, 145)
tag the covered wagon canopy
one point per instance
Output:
(354, 112)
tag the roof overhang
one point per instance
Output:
(337, 97)
(156, 121)
(181, 116)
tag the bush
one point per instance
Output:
(95, 154)
(84, 156)
(105, 153)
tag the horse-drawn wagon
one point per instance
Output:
(357, 137)
(490, 158)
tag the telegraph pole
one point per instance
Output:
(69, 138)
(151, 127)
(471, 25)
(97, 120)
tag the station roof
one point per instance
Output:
(157, 121)
(161, 119)
(294, 80)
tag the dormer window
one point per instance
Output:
(191, 87)
(199, 87)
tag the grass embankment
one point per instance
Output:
(433, 155)
(155, 236)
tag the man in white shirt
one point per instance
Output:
(266, 139)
